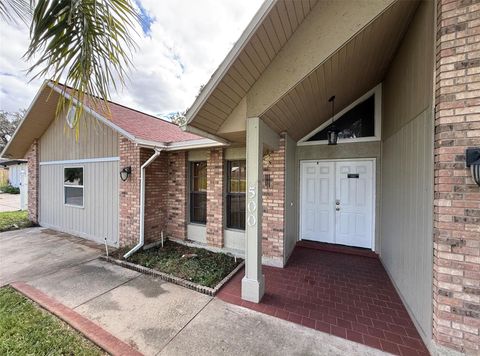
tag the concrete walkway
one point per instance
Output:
(9, 202)
(153, 316)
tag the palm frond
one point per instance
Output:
(87, 44)
(13, 10)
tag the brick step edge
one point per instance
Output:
(172, 279)
(89, 329)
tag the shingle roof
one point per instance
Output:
(146, 127)
(141, 125)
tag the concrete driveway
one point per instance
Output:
(9, 202)
(154, 316)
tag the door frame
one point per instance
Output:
(374, 191)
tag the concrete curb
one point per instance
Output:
(176, 280)
(90, 330)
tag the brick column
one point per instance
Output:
(215, 198)
(33, 181)
(274, 205)
(177, 195)
(456, 290)
(129, 194)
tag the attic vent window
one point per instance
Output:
(71, 117)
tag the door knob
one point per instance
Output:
(337, 202)
(337, 208)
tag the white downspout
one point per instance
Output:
(142, 203)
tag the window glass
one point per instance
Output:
(236, 187)
(73, 186)
(357, 122)
(198, 192)
(73, 176)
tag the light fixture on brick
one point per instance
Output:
(473, 161)
(125, 173)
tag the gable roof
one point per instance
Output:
(292, 57)
(141, 128)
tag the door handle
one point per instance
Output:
(337, 208)
(337, 202)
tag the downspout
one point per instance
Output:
(142, 203)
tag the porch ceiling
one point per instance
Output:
(348, 73)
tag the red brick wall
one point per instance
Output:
(33, 181)
(215, 197)
(156, 185)
(456, 290)
(274, 203)
(129, 194)
(177, 195)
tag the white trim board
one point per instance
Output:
(79, 161)
(377, 91)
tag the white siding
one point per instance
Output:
(407, 169)
(99, 216)
(407, 215)
(95, 140)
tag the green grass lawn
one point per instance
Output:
(207, 268)
(26, 329)
(12, 220)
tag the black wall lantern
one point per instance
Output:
(473, 161)
(125, 173)
(332, 133)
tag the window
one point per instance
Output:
(355, 123)
(73, 186)
(236, 187)
(198, 192)
(358, 122)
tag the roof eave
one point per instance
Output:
(5, 149)
(230, 59)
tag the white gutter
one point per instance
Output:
(142, 203)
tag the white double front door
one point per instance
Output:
(337, 202)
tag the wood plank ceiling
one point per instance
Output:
(275, 31)
(348, 74)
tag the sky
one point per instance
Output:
(181, 43)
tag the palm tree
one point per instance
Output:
(87, 44)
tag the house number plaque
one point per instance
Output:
(252, 206)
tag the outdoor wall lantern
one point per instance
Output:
(125, 173)
(473, 161)
(332, 133)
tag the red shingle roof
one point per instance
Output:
(142, 126)
(147, 127)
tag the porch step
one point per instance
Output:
(337, 248)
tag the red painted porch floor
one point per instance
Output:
(345, 295)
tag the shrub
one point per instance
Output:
(10, 189)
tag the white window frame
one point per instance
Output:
(377, 91)
(74, 186)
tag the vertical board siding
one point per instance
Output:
(95, 140)
(99, 216)
(407, 215)
(407, 169)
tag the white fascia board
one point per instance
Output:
(194, 130)
(192, 144)
(230, 58)
(45, 83)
